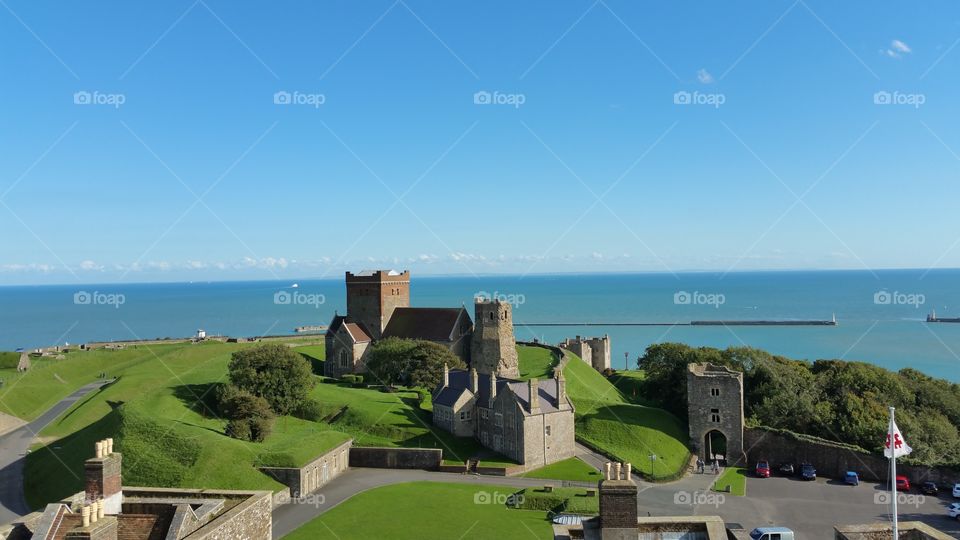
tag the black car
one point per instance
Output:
(786, 469)
(807, 472)
(929, 488)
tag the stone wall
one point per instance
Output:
(249, 520)
(493, 349)
(833, 460)
(715, 403)
(396, 458)
(315, 474)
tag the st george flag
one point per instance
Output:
(896, 446)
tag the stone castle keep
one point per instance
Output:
(594, 351)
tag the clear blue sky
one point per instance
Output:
(97, 192)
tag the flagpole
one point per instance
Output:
(893, 473)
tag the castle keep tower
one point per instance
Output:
(373, 295)
(715, 408)
(493, 350)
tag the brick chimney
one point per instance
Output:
(618, 504)
(561, 389)
(534, 387)
(474, 382)
(103, 477)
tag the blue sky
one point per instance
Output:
(185, 168)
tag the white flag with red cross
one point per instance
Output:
(896, 446)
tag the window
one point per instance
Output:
(484, 414)
(714, 392)
(497, 442)
(546, 431)
(498, 419)
(343, 358)
(715, 415)
(464, 415)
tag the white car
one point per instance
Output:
(953, 510)
(956, 490)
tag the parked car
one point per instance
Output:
(852, 478)
(787, 469)
(903, 483)
(954, 510)
(956, 490)
(771, 533)
(808, 472)
(930, 488)
(763, 469)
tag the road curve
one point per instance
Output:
(14, 446)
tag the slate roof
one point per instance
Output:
(355, 330)
(460, 382)
(431, 324)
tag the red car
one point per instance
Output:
(763, 469)
(903, 483)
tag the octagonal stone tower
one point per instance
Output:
(715, 406)
(493, 349)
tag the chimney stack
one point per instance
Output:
(103, 480)
(446, 376)
(618, 504)
(534, 387)
(474, 383)
(493, 389)
(606, 471)
(629, 472)
(561, 388)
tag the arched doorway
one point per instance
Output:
(715, 446)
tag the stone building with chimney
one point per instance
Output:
(108, 510)
(378, 307)
(531, 422)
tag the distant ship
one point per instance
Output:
(932, 317)
(295, 286)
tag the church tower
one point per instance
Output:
(373, 295)
(493, 349)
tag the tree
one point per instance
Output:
(274, 372)
(665, 372)
(249, 417)
(407, 362)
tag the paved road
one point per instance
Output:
(13, 448)
(811, 509)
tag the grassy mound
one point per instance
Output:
(568, 469)
(608, 420)
(559, 499)
(9, 360)
(415, 510)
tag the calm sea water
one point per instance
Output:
(881, 316)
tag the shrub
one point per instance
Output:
(274, 372)
(236, 404)
(239, 429)
(311, 410)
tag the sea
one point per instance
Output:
(881, 315)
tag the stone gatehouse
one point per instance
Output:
(715, 406)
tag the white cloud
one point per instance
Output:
(898, 49)
(89, 265)
(704, 76)
(32, 267)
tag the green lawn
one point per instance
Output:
(568, 469)
(608, 420)
(629, 384)
(159, 412)
(9, 360)
(560, 499)
(427, 510)
(316, 354)
(535, 362)
(736, 478)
